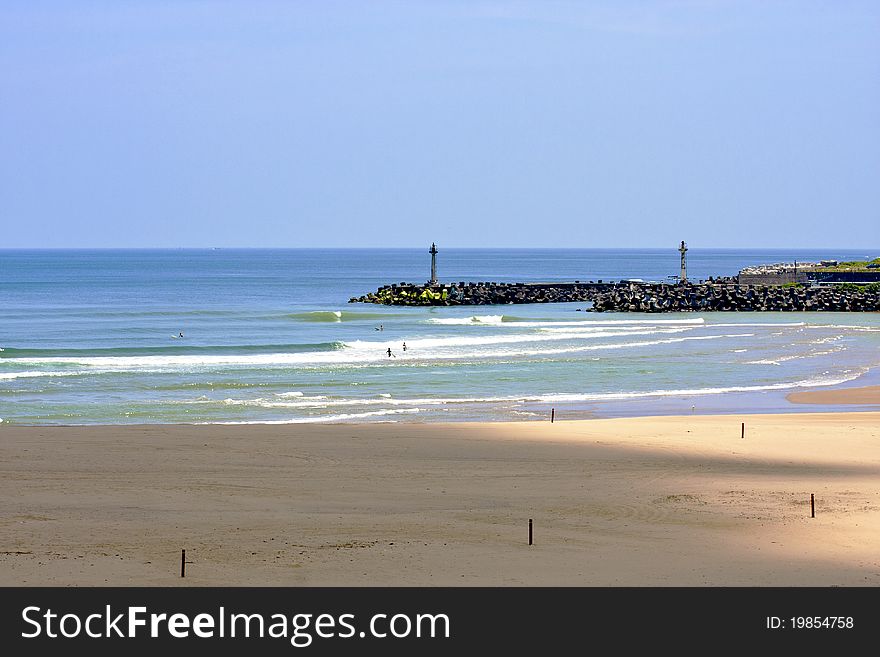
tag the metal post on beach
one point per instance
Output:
(552, 415)
(183, 563)
(743, 430)
(530, 531)
(812, 505)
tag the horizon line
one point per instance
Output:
(408, 248)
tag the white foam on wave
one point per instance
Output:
(645, 343)
(28, 375)
(615, 323)
(611, 330)
(356, 351)
(485, 320)
(757, 324)
(854, 327)
(326, 418)
(497, 320)
(418, 403)
(298, 395)
(686, 392)
(364, 353)
(416, 347)
(783, 359)
(550, 351)
(351, 402)
(827, 339)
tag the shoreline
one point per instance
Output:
(651, 501)
(816, 405)
(839, 398)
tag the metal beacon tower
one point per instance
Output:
(433, 253)
(683, 251)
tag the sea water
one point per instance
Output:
(93, 336)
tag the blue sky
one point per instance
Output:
(468, 123)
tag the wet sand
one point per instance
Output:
(636, 501)
(863, 395)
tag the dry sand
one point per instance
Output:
(835, 396)
(644, 502)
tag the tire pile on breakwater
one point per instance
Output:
(482, 293)
(655, 298)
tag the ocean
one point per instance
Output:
(92, 337)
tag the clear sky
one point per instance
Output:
(476, 123)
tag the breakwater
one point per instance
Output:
(653, 298)
(716, 295)
(484, 293)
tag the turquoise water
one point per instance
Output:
(87, 337)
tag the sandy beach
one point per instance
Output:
(835, 396)
(643, 502)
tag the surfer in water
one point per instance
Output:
(389, 352)
(404, 346)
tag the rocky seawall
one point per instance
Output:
(653, 298)
(718, 295)
(483, 293)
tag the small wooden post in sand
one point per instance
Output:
(530, 531)
(743, 430)
(812, 505)
(183, 563)
(552, 415)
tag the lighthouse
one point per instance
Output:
(683, 251)
(433, 253)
